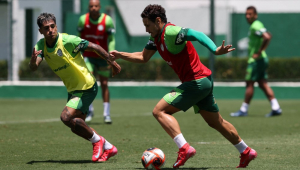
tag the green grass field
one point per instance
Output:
(32, 136)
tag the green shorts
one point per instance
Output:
(257, 70)
(82, 99)
(98, 65)
(196, 93)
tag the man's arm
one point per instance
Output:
(111, 42)
(266, 41)
(103, 54)
(35, 61)
(136, 57)
(193, 35)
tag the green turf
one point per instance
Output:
(32, 136)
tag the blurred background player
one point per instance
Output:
(174, 45)
(62, 52)
(98, 28)
(259, 40)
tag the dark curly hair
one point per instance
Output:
(45, 17)
(153, 11)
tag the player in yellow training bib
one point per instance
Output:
(62, 52)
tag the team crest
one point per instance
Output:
(162, 47)
(100, 28)
(59, 52)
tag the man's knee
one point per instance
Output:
(66, 117)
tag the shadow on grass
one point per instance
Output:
(62, 161)
(180, 168)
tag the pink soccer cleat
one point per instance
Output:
(108, 153)
(247, 156)
(98, 149)
(184, 153)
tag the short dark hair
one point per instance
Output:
(253, 8)
(45, 17)
(153, 11)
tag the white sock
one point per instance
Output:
(107, 145)
(241, 147)
(91, 108)
(244, 107)
(106, 111)
(95, 138)
(179, 140)
(275, 104)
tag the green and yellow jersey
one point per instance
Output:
(256, 31)
(66, 61)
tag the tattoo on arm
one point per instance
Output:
(98, 50)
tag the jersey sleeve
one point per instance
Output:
(175, 39)
(151, 45)
(75, 44)
(110, 28)
(258, 28)
(40, 46)
(80, 24)
(203, 39)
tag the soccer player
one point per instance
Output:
(259, 40)
(98, 28)
(174, 45)
(62, 52)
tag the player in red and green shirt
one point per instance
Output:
(174, 45)
(259, 40)
(62, 52)
(98, 28)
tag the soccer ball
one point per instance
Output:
(153, 158)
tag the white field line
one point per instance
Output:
(57, 119)
(137, 84)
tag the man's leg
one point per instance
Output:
(75, 120)
(276, 111)
(215, 120)
(163, 114)
(248, 96)
(105, 97)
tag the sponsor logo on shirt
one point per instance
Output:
(62, 67)
(79, 47)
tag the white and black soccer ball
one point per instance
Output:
(153, 158)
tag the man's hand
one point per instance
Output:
(114, 55)
(224, 49)
(256, 55)
(32, 64)
(116, 68)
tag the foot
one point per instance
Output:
(107, 120)
(184, 153)
(108, 153)
(247, 156)
(239, 113)
(274, 113)
(89, 116)
(98, 149)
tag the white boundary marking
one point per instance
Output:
(144, 83)
(58, 120)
